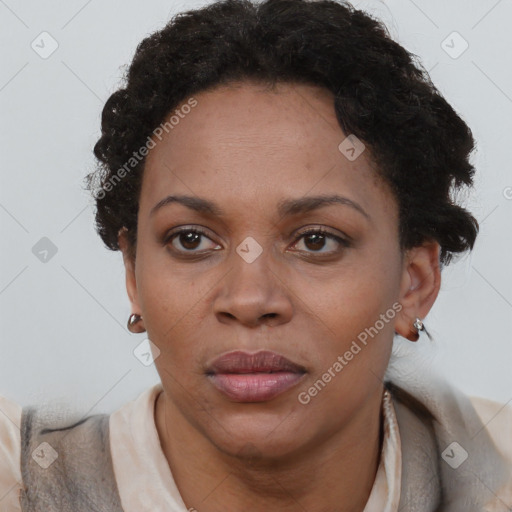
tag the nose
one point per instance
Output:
(254, 293)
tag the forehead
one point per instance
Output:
(245, 144)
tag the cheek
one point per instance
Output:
(168, 308)
(354, 353)
(165, 290)
(355, 311)
(354, 297)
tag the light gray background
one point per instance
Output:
(63, 335)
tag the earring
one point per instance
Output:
(418, 325)
(133, 320)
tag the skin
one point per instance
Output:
(246, 148)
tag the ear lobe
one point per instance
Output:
(129, 264)
(421, 281)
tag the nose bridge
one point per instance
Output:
(251, 263)
(252, 289)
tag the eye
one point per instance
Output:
(189, 239)
(315, 239)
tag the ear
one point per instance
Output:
(129, 264)
(419, 287)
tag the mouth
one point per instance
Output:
(254, 377)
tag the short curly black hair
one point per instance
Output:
(382, 94)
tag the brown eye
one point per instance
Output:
(188, 240)
(315, 240)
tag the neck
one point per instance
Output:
(335, 474)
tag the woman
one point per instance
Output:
(278, 180)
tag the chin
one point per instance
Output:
(253, 435)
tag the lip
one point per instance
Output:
(254, 377)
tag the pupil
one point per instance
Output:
(318, 239)
(188, 238)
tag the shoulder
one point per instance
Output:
(65, 460)
(497, 419)
(10, 449)
(467, 431)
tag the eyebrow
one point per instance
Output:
(285, 208)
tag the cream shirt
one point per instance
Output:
(145, 481)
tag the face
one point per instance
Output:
(252, 272)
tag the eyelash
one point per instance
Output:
(316, 231)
